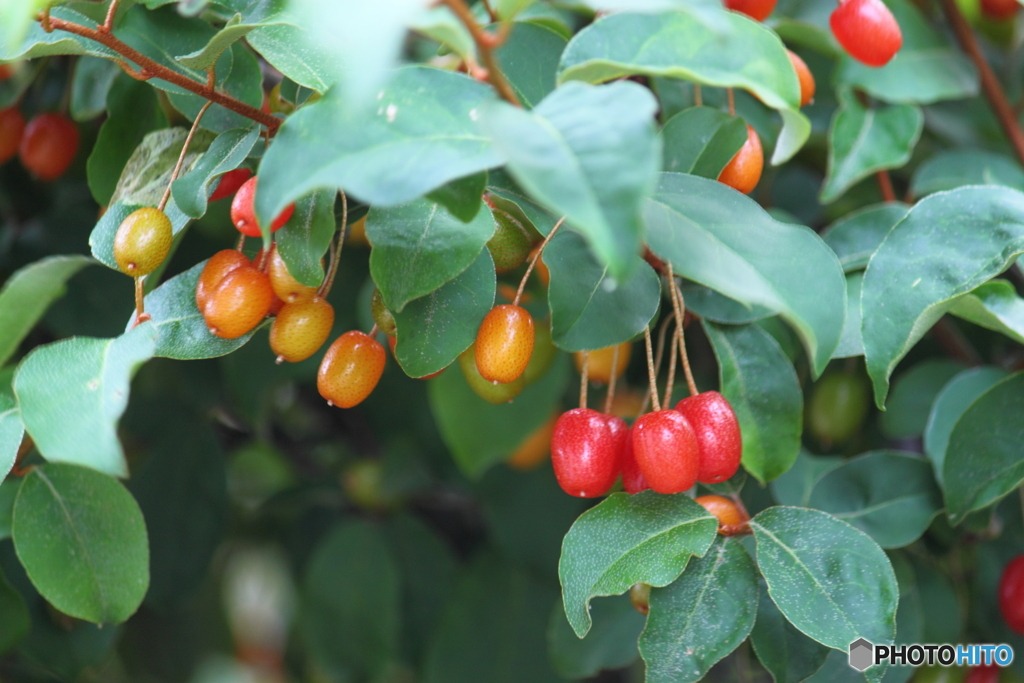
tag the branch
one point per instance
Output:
(885, 186)
(989, 83)
(151, 69)
(485, 44)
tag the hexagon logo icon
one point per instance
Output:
(861, 654)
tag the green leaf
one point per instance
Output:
(28, 293)
(462, 196)
(947, 245)
(718, 308)
(927, 69)
(759, 381)
(829, 579)
(787, 654)
(349, 616)
(234, 30)
(441, 25)
(228, 151)
(863, 141)
(611, 643)
(181, 331)
(242, 79)
(15, 624)
(17, 43)
(794, 487)
(419, 246)
(701, 617)
(738, 53)
(304, 239)
(889, 495)
(11, 432)
(994, 306)
(421, 135)
(704, 228)
(939, 604)
(950, 404)
(8, 492)
(90, 85)
(906, 411)
(589, 308)
(82, 540)
(529, 60)
(433, 330)
(851, 344)
(701, 141)
(589, 153)
(480, 434)
(856, 236)
(953, 168)
(72, 393)
(984, 457)
(508, 196)
(629, 539)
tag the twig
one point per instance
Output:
(108, 24)
(651, 376)
(490, 10)
(885, 186)
(485, 44)
(533, 262)
(181, 157)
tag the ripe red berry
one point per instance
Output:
(730, 517)
(12, 128)
(230, 182)
(350, 369)
(806, 78)
(300, 329)
(1011, 594)
(632, 478)
(239, 303)
(983, 674)
(757, 10)
(285, 286)
(49, 145)
(585, 453)
(867, 30)
(666, 450)
(142, 241)
(718, 433)
(214, 272)
(999, 10)
(504, 344)
(243, 211)
(744, 170)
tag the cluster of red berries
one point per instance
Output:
(46, 145)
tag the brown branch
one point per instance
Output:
(989, 83)
(885, 186)
(485, 44)
(151, 69)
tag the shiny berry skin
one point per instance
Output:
(600, 362)
(12, 128)
(504, 344)
(983, 674)
(743, 171)
(640, 596)
(806, 78)
(632, 478)
(239, 303)
(537, 446)
(511, 243)
(300, 329)
(718, 433)
(1011, 594)
(758, 10)
(730, 517)
(381, 315)
(666, 450)
(285, 286)
(49, 145)
(214, 272)
(999, 10)
(350, 369)
(243, 211)
(142, 241)
(230, 182)
(488, 391)
(867, 30)
(585, 453)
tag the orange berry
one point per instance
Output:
(357, 233)
(49, 145)
(488, 391)
(537, 446)
(504, 344)
(239, 303)
(285, 286)
(805, 77)
(214, 272)
(243, 211)
(744, 169)
(350, 369)
(730, 517)
(12, 128)
(300, 329)
(142, 241)
(600, 362)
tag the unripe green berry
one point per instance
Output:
(488, 391)
(381, 315)
(511, 243)
(143, 241)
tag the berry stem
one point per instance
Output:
(339, 241)
(731, 97)
(583, 379)
(533, 261)
(610, 396)
(653, 388)
(140, 300)
(680, 310)
(658, 356)
(373, 331)
(671, 381)
(485, 44)
(181, 157)
(240, 244)
(698, 96)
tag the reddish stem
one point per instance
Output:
(885, 185)
(485, 45)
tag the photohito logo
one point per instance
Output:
(864, 654)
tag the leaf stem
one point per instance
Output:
(181, 157)
(485, 45)
(651, 376)
(533, 262)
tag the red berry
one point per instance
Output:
(214, 272)
(632, 478)
(744, 170)
(755, 9)
(504, 344)
(1011, 594)
(350, 369)
(12, 128)
(585, 453)
(867, 30)
(999, 10)
(239, 303)
(49, 145)
(243, 211)
(806, 78)
(666, 450)
(229, 183)
(718, 433)
(983, 674)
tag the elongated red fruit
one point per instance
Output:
(243, 211)
(1011, 594)
(12, 128)
(49, 145)
(632, 478)
(230, 182)
(585, 453)
(718, 433)
(350, 369)
(755, 9)
(867, 30)
(666, 450)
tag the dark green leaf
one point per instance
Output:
(701, 141)
(701, 617)
(304, 239)
(38, 43)
(611, 643)
(82, 540)
(589, 153)
(11, 432)
(787, 654)
(953, 168)
(242, 79)
(995, 306)
(8, 491)
(462, 196)
(906, 411)
(508, 196)
(529, 60)
(795, 486)
(856, 236)
(704, 228)
(233, 31)
(90, 85)
(718, 308)
(228, 151)
(759, 381)
(15, 624)
(851, 344)
(629, 539)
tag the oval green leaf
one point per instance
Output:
(787, 654)
(701, 141)
(856, 236)
(953, 168)
(191, 190)
(906, 411)
(304, 239)
(994, 306)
